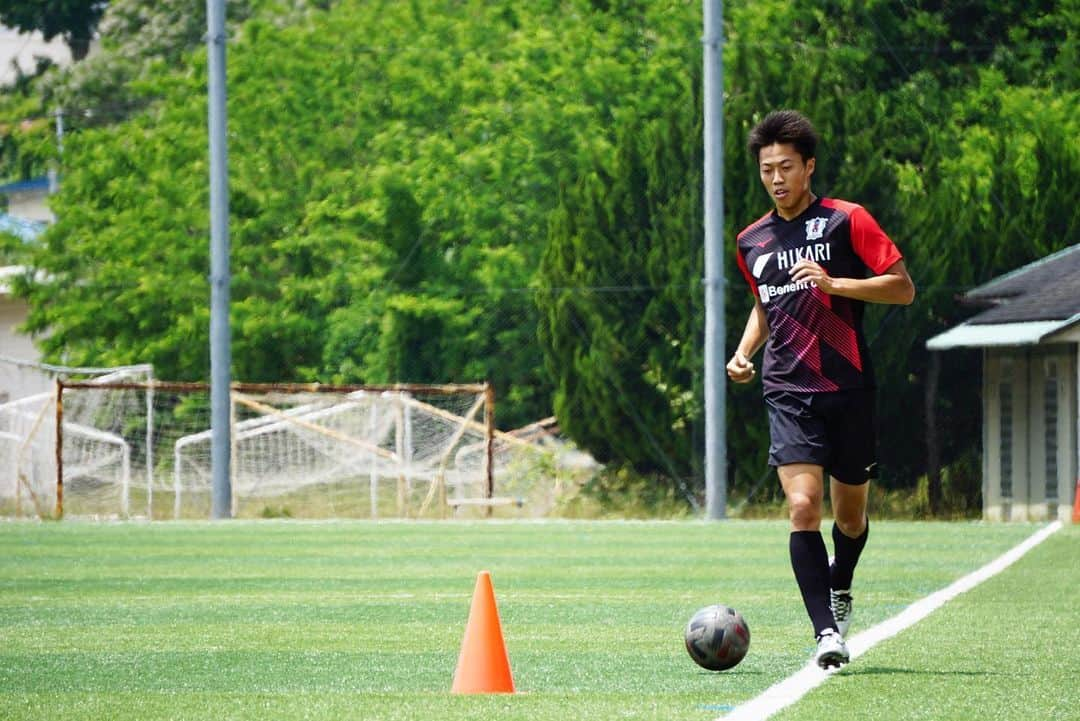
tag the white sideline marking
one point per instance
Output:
(794, 687)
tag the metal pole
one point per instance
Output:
(220, 352)
(715, 382)
(54, 171)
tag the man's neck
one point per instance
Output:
(798, 210)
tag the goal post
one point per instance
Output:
(29, 452)
(299, 449)
(124, 446)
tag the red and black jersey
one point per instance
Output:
(816, 341)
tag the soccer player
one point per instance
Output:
(812, 264)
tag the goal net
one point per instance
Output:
(311, 451)
(97, 462)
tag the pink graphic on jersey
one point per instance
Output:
(833, 329)
(787, 331)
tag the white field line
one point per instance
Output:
(786, 692)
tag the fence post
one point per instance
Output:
(59, 448)
(489, 449)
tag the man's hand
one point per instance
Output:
(740, 369)
(892, 286)
(807, 270)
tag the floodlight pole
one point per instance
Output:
(715, 381)
(220, 351)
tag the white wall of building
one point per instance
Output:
(13, 313)
(15, 381)
(1030, 432)
(30, 205)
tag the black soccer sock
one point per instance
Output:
(810, 561)
(847, 551)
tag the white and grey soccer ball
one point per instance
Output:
(717, 637)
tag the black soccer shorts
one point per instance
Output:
(834, 430)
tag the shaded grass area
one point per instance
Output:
(362, 620)
(1008, 650)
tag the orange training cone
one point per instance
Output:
(483, 666)
(1076, 503)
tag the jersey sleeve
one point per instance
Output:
(741, 261)
(870, 242)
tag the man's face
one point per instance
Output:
(786, 177)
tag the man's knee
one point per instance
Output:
(852, 523)
(804, 510)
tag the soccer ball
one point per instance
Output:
(717, 637)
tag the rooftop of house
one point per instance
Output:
(40, 184)
(1048, 289)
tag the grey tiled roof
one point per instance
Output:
(1048, 289)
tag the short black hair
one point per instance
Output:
(784, 126)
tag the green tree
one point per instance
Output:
(137, 39)
(941, 123)
(621, 302)
(459, 190)
(449, 132)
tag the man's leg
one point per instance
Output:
(804, 486)
(850, 530)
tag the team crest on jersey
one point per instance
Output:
(815, 228)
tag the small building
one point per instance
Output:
(17, 351)
(1030, 336)
(27, 213)
(19, 374)
(28, 200)
(15, 381)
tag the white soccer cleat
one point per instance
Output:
(841, 610)
(831, 650)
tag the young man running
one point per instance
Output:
(812, 264)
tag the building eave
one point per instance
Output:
(38, 185)
(990, 335)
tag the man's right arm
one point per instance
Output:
(756, 332)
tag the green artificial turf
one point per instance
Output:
(282, 620)
(1008, 650)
